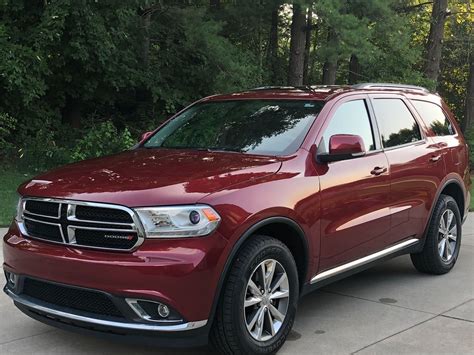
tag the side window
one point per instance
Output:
(350, 118)
(396, 123)
(434, 117)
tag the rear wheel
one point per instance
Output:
(443, 239)
(258, 305)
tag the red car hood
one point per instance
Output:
(146, 177)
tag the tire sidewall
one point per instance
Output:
(283, 256)
(446, 203)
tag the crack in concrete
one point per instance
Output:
(29, 336)
(411, 327)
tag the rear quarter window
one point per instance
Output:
(434, 117)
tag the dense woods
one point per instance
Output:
(82, 78)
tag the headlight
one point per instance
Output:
(178, 221)
(19, 210)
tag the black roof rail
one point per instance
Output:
(274, 88)
(310, 88)
(390, 86)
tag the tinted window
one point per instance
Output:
(350, 118)
(397, 125)
(434, 117)
(248, 126)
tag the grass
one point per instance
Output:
(9, 181)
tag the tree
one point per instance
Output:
(469, 116)
(307, 49)
(330, 65)
(297, 46)
(434, 43)
(273, 43)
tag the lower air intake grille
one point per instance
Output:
(71, 297)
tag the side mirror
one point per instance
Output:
(343, 147)
(145, 136)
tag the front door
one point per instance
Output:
(355, 193)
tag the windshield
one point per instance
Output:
(266, 127)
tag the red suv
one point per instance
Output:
(215, 224)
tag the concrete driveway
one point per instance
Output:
(388, 309)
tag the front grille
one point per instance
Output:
(77, 223)
(105, 239)
(102, 214)
(71, 297)
(44, 231)
(42, 208)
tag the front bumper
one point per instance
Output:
(182, 274)
(180, 335)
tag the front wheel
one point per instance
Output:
(259, 300)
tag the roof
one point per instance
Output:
(316, 92)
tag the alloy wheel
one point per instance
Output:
(447, 235)
(266, 300)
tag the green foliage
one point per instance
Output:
(102, 139)
(76, 71)
(9, 181)
(41, 152)
(7, 125)
(469, 135)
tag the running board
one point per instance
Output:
(362, 261)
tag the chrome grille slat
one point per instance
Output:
(68, 223)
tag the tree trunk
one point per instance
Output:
(469, 116)
(330, 65)
(71, 113)
(435, 40)
(273, 44)
(309, 25)
(146, 21)
(354, 70)
(297, 47)
(215, 4)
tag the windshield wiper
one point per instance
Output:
(224, 149)
(211, 149)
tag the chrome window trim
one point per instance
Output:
(136, 226)
(362, 261)
(108, 323)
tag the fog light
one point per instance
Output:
(12, 279)
(163, 310)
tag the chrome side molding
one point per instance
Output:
(113, 324)
(362, 261)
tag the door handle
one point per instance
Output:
(435, 158)
(378, 170)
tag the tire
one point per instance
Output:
(434, 259)
(230, 333)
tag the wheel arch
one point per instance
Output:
(450, 186)
(265, 227)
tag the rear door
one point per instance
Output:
(416, 167)
(355, 193)
(443, 134)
